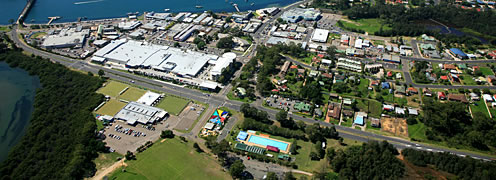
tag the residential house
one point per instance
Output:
(412, 90)
(400, 90)
(387, 107)
(441, 96)
(334, 111)
(399, 110)
(318, 112)
(449, 67)
(398, 75)
(349, 64)
(491, 79)
(375, 122)
(374, 83)
(412, 111)
(454, 77)
(385, 85)
(457, 97)
(347, 101)
(427, 92)
(240, 92)
(487, 98)
(474, 97)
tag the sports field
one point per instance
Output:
(368, 25)
(172, 104)
(132, 94)
(112, 88)
(111, 107)
(171, 159)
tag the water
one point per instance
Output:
(454, 31)
(264, 141)
(16, 105)
(10, 9)
(70, 10)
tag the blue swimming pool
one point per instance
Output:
(264, 141)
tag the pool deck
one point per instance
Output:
(286, 151)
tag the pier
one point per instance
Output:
(236, 6)
(52, 19)
(25, 11)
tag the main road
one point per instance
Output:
(218, 100)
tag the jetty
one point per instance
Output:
(25, 11)
(236, 6)
(53, 18)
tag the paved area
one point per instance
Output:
(122, 141)
(188, 116)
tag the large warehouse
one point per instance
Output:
(135, 54)
(66, 38)
(320, 35)
(135, 112)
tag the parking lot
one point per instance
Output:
(187, 118)
(127, 138)
(281, 103)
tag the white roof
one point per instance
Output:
(135, 112)
(326, 61)
(109, 47)
(320, 35)
(487, 98)
(387, 106)
(97, 59)
(400, 111)
(148, 98)
(412, 111)
(222, 63)
(209, 84)
(209, 126)
(358, 43)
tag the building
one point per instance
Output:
(349, 64)
(334, 110)
(251, 27)
(129, 25)
(66, 38)
(149, 98)
(301, 106)
(358, 43)
(458, 53)
(297, 14)
(135, 112)
(375, 122)
(220, 64)
(441, 96)
(268, 11)
(391, 58)
(458, 98)
(320, 35)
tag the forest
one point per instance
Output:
(409, 22)
(463, 167)
(452, 123)
(60, 141)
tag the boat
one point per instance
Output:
(252, 4)
(166, 10)
(199, 7)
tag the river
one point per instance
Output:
(71, 10)
(17, 94)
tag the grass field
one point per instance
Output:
(486, 71)
(112, 88)
(111, 107)
(172, 104)
(5, 28)
(417, 131)
(38, 35)
(467, 80)
(481, 107)
(368, 25)
(132, 94)
(106, 159)
(231, 96)
(171, 159)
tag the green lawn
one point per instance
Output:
(467, 80)
(417, 131)
(481, 107)
(105, 160)
(132, 94)
(401, 101)
(5, 28)
(375, 108)
(486, 71)
(112, 88)
(111, 107)
(38, 35)
(231, 96)
(368, 25)
(172, 104)
(171, 159)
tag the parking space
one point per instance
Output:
(123, 137)
(188, 116)
(281, 103)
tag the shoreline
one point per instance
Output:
(27, 23)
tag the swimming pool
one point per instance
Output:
(264, 142)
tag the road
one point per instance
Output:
(216, 100)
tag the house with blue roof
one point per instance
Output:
(458, 53)
(385, 85)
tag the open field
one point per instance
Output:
(417, 131)
(105, 160)
(112, 88)
(368, 25)
(172, 104)
(486, 71)
(171, 159)
(38, 35)
(480, 107)
(5, 28)
(132, 94)
(467, 80)
(396, 126)
(111, 107)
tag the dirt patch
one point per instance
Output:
(415, 172)
(396, 126)
(188, 116)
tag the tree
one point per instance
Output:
(282, 116)
(271, 176)
(90, 73)
(289, 176)
(176, 44)
(130, 156)
(237, 169)
(225, 43)
(197, 148)
(167, 134)
(101, 73)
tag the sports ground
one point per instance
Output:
(111, 107)
(172, 104)
(171, 159)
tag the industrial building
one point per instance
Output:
(129, 25)
(268, 11)
(149, 98)
(320, 35)
(135, 112)
(221, 63)
(297, 14)
(349, 64)
(66, 38)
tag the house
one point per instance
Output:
(318, 112)
(491, 79)
(240, 92)
(487, 98)
(400, 90)
(457, 97)
(375, 122)
(399, 110)
(333, 96)
(302, 107)
(327, 75)
(347, 101)
(334, 110)
(412, 90)
(427, 92)
(374, 83)
(412, 111)
(387, 107)
(385, 85)
(445, 78)
(398, 75)
(359, 120)
(454, 77)
(458, 53)
(449, 67)
(348, 113)
(441, 96)
(474, 97)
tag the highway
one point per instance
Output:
(218, 99)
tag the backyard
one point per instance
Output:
(171, 159)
